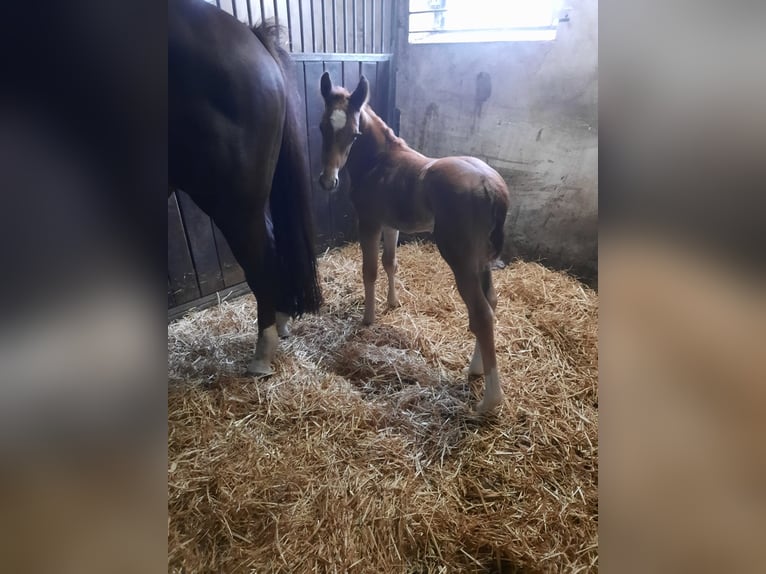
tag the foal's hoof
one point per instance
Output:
(259, 368)
(474, 371)
(489, 404)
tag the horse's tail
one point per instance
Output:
(290, 199)
(500, 202)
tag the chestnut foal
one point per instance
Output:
(461, 200)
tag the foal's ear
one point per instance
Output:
(360, 95)
(326, 85)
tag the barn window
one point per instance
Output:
(451, 21)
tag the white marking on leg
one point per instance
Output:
(390, 238)
(493, 393)
(282, 329)
(264, 352)
(338, 120)
(369, 304)
(477, 364)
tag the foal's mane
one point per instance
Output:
(391, 139)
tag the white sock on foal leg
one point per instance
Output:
(477, 364)
(369, 304)
(265, 349)
(493, 393)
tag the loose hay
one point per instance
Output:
(360, 453)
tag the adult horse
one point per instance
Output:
(393, 187)
(236, 148)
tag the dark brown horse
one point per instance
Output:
(236, 148)
(393, 187)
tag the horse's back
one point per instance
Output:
(464, 175)
(226, 98)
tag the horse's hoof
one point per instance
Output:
(367, 322)
(283, 331)
(393, 304)
(474, 371)
(259, 368)
(489, 404)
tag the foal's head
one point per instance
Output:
(339, 126)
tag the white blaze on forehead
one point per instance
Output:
(338, 120)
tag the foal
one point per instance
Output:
(393, 187)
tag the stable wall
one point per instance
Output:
(538, 127)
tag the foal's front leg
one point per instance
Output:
(369, 240)
(390, 238)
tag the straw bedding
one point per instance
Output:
(361, 453)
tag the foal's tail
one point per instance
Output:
(500, 201)
(290, 200)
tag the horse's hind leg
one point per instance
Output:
(473, 284)
(369, 240)
(245, 230)
(390, 238)
(476, 366)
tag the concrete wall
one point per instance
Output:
(538, 128)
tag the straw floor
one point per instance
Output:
(361, 453)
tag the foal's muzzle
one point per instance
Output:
(328, 182)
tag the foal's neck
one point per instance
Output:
(374, 128)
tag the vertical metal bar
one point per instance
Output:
(372, 27)
(289, 27)
(391, 48)
(249, 14)
(364, 26)
(276, 17)
(353, 17)
(218, 4)
(334, 28)
(313, 28)
(324, 28)
(345, 28)
(383, 26)
(263, 13)
(300, 21)
(234, 8)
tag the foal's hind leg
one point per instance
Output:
(476, 366)
(369, 240)
(480, 321)
(390, 238)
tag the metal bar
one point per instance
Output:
(313, 28)
(353, 17)
(334, 28)
(392, 30)
(345, 27)
(249, 13)
(372, 26)
(330, 57)
(324, 29)
(234, 8)
(263, 12)
(364, 25)
(289, 27)
(435, 10)
(276, 18)
(218, 4)
(300, 21)
(383, 26)
(459, 30)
